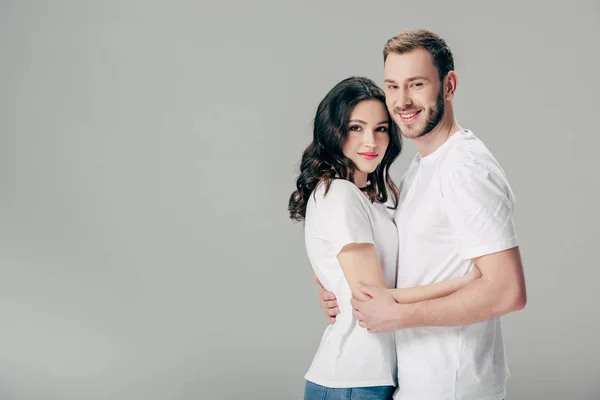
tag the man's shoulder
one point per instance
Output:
(467, 152)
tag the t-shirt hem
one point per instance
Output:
(489, 248)
(496, 396)
(338, 247)
(344, 385)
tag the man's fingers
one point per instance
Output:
(364, 324)
(330, 304)
(333, 311)
(370, 291)
(356, 304)
(358, 315)
(317, 280)
(328, 295)
(324, 295)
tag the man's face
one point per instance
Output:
(413, 92)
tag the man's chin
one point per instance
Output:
(412, 133)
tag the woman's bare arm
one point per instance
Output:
(433, 290)
(360, 264)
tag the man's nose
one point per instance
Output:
(403, 98)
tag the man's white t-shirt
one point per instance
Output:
(455, 205)
(348, 355)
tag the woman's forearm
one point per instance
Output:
(433, 290)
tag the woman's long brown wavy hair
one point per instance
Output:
(323, 160)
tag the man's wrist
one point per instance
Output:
(409, 315)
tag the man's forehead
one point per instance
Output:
(407, 65)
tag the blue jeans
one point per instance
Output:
(312, 391)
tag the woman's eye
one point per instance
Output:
(355, 128)
(382, 129)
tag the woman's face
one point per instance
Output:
(367, 139)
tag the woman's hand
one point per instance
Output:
(328, 302)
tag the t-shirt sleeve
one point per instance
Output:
(480, 206)
(344, 216)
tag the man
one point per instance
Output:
(456, 211)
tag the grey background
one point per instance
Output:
(148, 150)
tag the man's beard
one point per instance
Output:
(433, 120)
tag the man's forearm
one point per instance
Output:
(500, 290)
(476, 302)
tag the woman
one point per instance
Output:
(350, 236)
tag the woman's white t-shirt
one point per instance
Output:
(348, 355)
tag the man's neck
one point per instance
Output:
(433, 140)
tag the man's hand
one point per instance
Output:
(328, 302)
(381, 313)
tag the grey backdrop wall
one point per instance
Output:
(148, 150)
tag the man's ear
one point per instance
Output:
(450, 83)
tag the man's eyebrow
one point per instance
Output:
(413, 78)
(416, 78)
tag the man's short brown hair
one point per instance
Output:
(414, 39)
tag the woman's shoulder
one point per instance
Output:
(342, 197)
(339, 190)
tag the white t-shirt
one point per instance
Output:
(455, 205)
(348, 355)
